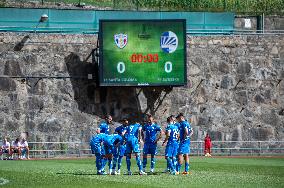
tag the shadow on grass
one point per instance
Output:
(77, 174)
(94, 174)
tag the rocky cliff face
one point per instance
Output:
(235, 88)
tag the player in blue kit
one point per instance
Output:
(172, 136)
(120, 151)
(96, 144)
(152, 134)
(166, 131)
(111, 143)
(170, 121)
(133, 137)
(184, 145)
(104, 126)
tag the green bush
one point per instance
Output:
(238, 6)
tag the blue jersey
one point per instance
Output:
(112, 140)
(119, 130)
(168, 127)
(98, 139)
(177, 124)
(151, 131)
(174, 132)
(104, 128)
(183, 126)
(132, 131)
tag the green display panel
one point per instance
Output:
(142, 52)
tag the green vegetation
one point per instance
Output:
(2, 3)
(206, 172)
(250, 6)
(238, 6)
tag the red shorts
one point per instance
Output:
(207, 146)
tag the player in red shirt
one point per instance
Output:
(208, 145)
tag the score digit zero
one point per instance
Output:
(121, 67)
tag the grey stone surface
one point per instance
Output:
(274, 22)
(235, 90)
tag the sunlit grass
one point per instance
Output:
(214, 172)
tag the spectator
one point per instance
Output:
(16, 148)
(207, 146)
(5, 148)
(24, 149)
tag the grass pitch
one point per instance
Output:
(206, 172)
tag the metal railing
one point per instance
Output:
(219, 148)
(65, 30)
(57, 149)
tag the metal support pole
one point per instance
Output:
(79, 149)
(259, 148)
(137, 4)
(47, 147)
(262, 23)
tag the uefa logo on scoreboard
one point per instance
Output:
(169, 42)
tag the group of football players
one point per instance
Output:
(111, 148)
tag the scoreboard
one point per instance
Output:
(142, 52)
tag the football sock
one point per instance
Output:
(169, 161)
(114, 163)
(110, 165)
(144, 162)
(119, 162)
(174, 162)
(128, 163)
(152, 162)
(186, 168)
(139, 162)
(103, 162)
(168, 165)
(98, 162)
(179, 167)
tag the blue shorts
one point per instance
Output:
(150, 148)
(96, 149)
(109, 149)
(184, 147)
(121, 150)
(171, 149)
(115, 152)
(132, 146)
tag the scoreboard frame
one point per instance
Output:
(100, 38)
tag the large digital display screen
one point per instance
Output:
(142, 52)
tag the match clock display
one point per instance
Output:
(142, 52)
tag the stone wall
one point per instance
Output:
(235, 88)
